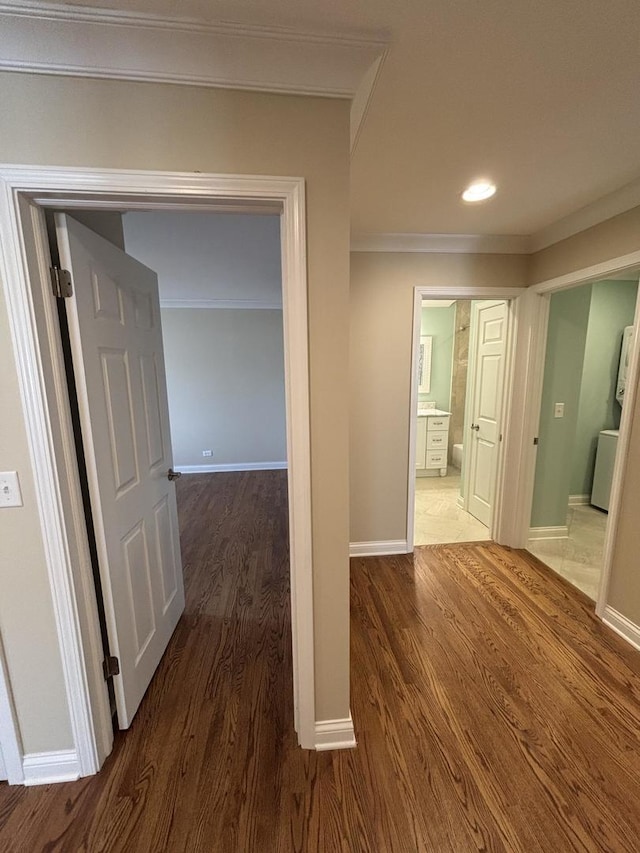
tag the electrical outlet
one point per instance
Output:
(10, 489)
(207, 452)
(558, 410)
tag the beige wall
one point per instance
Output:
(380, 371)
(72, 121)
(617, 236)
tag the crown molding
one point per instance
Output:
(233, 304)
(50, 38)
(619, 201)
(455, 244)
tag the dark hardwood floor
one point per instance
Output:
(493, 711)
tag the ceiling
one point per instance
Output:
(542, 97)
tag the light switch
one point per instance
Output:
(558, 410)
(10, 489)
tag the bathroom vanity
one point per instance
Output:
(432, 442)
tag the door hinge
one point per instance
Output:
(536, 441)
(61, 283)
(110, 667)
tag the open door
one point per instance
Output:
(118, 362)
(487, 361)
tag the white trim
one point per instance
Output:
(592, 273)
(335, 734)
(579, 500)
(222, 304)
(450, 244)
(59, 501)
(502, 522)
(9, 731)
(560, 532)
(383, 548)
(622, 626)
(49, 38)
(46, 768)
(524, 414)
(619, 465)
(619, 201)
(230, 466)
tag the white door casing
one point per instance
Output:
(116, 344)
(487, 357)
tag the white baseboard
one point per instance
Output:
(622, 626)
(45, 768)
(579, 500)
(549, 532)
(460, 501)
(378, 549)
(335, 734)
(230, 466)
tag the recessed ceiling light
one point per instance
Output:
(479, 191)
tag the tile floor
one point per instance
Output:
(579, 557)
(438, 518)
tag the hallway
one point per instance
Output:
(493, 711)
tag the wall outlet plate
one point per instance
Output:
(558, 410)
(207, 452)
(10, 494)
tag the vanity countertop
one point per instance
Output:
(429, 413)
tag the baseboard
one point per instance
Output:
(549, 532)
(45, 768)
(622, 626)
(379, 549)
(579, 500)
(335, 734)
(460, 501)
(230, 466)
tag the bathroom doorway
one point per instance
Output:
(460, 379)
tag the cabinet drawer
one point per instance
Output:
(437, 423)
(436, 459)
(437, 440)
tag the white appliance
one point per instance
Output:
(603, 474)
(625, 353)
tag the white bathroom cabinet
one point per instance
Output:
(432, 443)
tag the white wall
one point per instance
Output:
(225, 381)
(225, 365)
(209, 256)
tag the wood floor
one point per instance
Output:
(493, 711)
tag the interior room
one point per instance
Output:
(447, 468)
(328, 686)
(587, 357)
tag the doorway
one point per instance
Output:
(589, 338)
(32, 314)
(462, 361)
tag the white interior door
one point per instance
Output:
(3, 769)
(116, 343)
(487, 359)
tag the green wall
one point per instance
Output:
(566, 340)
(440, 324)
(612, 308)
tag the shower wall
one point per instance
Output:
(459, 373)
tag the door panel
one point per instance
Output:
(116, 343)
(490, 325)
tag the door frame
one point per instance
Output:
(502, 522)
(36, 342)
(543, 292)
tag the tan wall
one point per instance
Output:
(380, 371)
(71, 121)
(617, 236)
